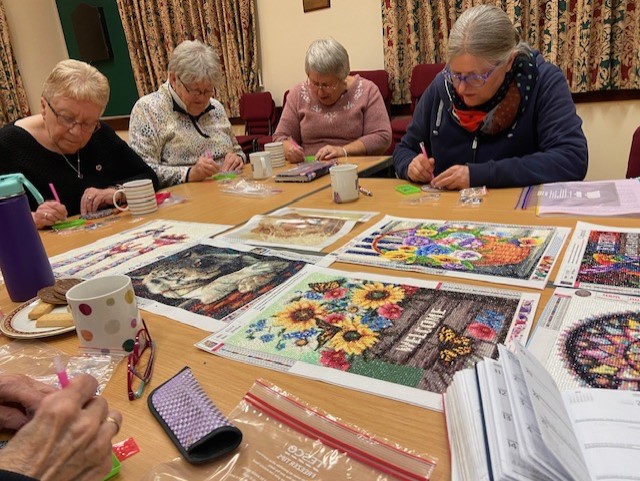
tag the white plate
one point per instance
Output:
(17, 324)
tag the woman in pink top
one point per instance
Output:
(332, 114)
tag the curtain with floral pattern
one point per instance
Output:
(594, 42)
(154, 27)
(13, 97)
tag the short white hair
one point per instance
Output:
(77, 80)
(327, 56)
(193, 61)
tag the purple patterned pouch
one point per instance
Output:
(194, 424)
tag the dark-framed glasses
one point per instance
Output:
(140, 363)
(69, 122)
(192, 91)
(320, 86)
(472, 80)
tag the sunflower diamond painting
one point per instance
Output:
(407, 332)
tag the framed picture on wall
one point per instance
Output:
(309, 5)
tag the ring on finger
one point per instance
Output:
(110, 419)
(46, 215)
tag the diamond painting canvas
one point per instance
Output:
(208, 282)
(397, 337)
(602, 258)
(506, 254)
(126, 250)
(590, 339)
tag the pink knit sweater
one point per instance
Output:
(360, 114)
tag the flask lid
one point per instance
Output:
(12, 185)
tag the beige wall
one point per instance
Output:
(37, 41)
(285, 33)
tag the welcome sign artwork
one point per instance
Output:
(397, 337)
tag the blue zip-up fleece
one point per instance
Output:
(545, 143)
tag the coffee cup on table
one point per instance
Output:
(344, 183)
(105, 313)
(260, 164)
(139, 195)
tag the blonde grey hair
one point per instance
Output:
(193, 61)
(77, 80)
(484, 31)
(328, 57)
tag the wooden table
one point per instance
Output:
(227, 381)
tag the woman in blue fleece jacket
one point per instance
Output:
(498, 115)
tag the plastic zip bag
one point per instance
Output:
(286, 439)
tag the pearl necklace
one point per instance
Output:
(77, 171)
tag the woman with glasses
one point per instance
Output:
(498, 115)
(67, 146)
(180, 130)
(332, 114)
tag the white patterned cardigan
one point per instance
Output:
(168, 140)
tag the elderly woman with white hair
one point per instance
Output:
(67, 146)
(499, 115)
(180, 130)
(332, 114)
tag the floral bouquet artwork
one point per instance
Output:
(410, 333)
(508, 254)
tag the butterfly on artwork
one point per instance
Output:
(322, 287)
(452, 346)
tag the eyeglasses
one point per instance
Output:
(69, 122)
(472, 80)
(325, 87)
(140, 363)
(196, 92)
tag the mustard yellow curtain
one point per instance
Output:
(13, 97)
(594, 42)
(154, 27)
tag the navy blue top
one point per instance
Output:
(545, 143)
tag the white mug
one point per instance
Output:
(141, 198)
(261, 164)
(344, 183)
(105, 313)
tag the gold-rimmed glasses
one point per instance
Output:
(69, 122)
(140, 363)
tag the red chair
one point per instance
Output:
(258, 110)
(633, 167)
(381, 79)
(421, 77)
(265, 139)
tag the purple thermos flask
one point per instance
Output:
(23, 260)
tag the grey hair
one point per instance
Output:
(193, 61)
(327, 56)
(77, 80)
(485, 31)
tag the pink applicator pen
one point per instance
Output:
(60, 371)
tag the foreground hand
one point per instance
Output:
(20, 396)
(232, 163)
(204, 168)
(329, 152)
(48, 213)
(69, 438)
(421, 169)
(454, 178)
(94, 199)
